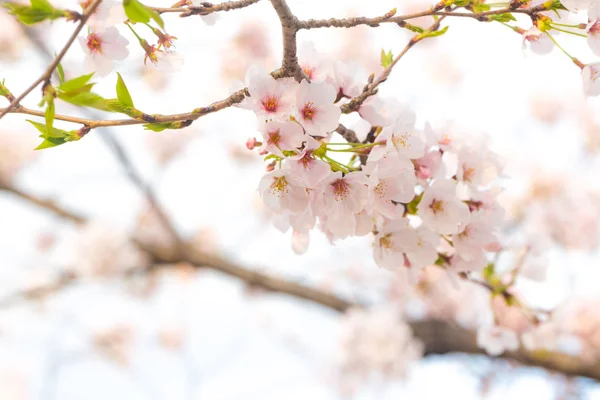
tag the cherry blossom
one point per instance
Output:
(477, 234)
(315, 109)
(108, 13)
(497, 339)
(593, 29)
(392, 242)
(102, 48)
(282, 191)
(342, 198)
(308, 168)
(576, 5)
(591, 79)
(441, 209)
(403, 137)
(538, 41)
(270, 98)
(388, 188)
(477, 166)
(278, 136)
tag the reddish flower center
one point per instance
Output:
(340, 189)
(274, 137)
(307, 160)
(437, 206)
(94, 43)
(309, 111)
(309, 71)
(468, 173)
(270, 103)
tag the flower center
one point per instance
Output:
(468, 174)
(385, 242)
(94, 43)
(309, 111)
(270, 103)
(274, 137)
(309, 71)
(279, 186)
(437, 206)
(307, 160)
(401, 140)
(381, 189)
(341, 189)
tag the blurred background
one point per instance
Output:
(77, 323)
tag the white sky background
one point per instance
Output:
(268, 347)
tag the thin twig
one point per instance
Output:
(45, 77)
(206, 8)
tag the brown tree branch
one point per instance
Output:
(289, 29)
(439, 337)
(436, 10)
(45, 77)
(206, 8)
(371, 88)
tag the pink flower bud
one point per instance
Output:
(251, 143)
(270, 167)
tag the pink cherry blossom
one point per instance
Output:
(441, 210)
(477, 234)
(576, 5)
(424, 253)
(278, 136)
(403, 137)
(477, 166)
(495, 340)
(393, 240)
(593, 29)
(591, 79)
(315, 109)
(538, 41)
(108, 13)
(312, 62)
(300, 241)
(429, 166)
(343, 197)
(102, 48)
(388, 188)
(270, 98)
(344, 80)
(308, 168)
(282, 191)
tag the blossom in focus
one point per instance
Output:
(270, 98)
(315, 109)
(282, 191)
(441, 210)
(593, 28)
(102, 48)
(591, 79)
(278, 136)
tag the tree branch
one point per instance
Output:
(45, 77)
(439, 337)
(205, 8)
(289, 29)
(371, 88)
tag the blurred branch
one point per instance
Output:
(45, 77)
(439, 337)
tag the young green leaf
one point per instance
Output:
(61, 73)
(85, 99)
(386, 58)
(75, 83)
(137, 12)
(161, 126)
(39, 11)
(49, 114)
(122, 92)
(427, 34)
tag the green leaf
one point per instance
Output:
(53, 133)
(49, 114)
(50, 142)
(115, 105)
(506, 17)
(3, 89)
(53, 137)
(75, 83)
(39, 11)
(122, 92)
(61, 73)
(427, 34)
(86, 99)
(137, 12)
(386, 58)
(480, 7)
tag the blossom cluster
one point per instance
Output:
(426, 197)
(540, 41)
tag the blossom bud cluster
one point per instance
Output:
(425, 197)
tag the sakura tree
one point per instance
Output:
(412, 226)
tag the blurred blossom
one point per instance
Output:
(166, 145)
(16, 151)
(250, 45)
(114, 342)
(497, 339)
(12, 40)
(102, 251)
(375, 344)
